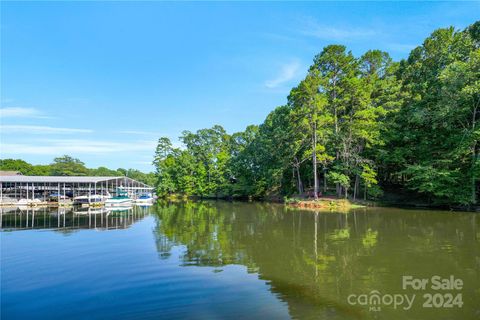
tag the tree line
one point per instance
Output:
(355, 127)
(69, 166)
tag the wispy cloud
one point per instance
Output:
(20, 112)
(27, 129)
(327, 32)
(76, 146)
(288, 72)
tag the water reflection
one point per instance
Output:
(71, 218)
(298, 264)
(315, 260)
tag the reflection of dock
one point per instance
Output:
(12, 218)
(118, 210)
(89, 210)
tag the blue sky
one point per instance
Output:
(102, 81)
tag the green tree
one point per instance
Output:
(367, 121)
(337, 70)
(68, 166)
(435, 133)
(103, 172)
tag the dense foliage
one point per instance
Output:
(69, 166)
(352, 127)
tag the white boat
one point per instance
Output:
(23, 202)
(121, 200)
(118, 201)
(86, 200)
(145, 198)
(8, 201)
(30, 202)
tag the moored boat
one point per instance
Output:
(7, 201)
(88, 200)
(121, 199)
(31, 202)
(145, 198)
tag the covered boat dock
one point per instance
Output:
(16, 187)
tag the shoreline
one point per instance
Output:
(326, 203)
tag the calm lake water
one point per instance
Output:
(217, 260)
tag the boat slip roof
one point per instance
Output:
(63, 179)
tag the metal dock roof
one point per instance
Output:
(63, 179)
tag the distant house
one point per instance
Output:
(10, 173)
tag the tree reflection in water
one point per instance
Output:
(314, 260)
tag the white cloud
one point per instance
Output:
(27, 129)
(317, 30)
(75, 146)
(288, 72)
(19, 112)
